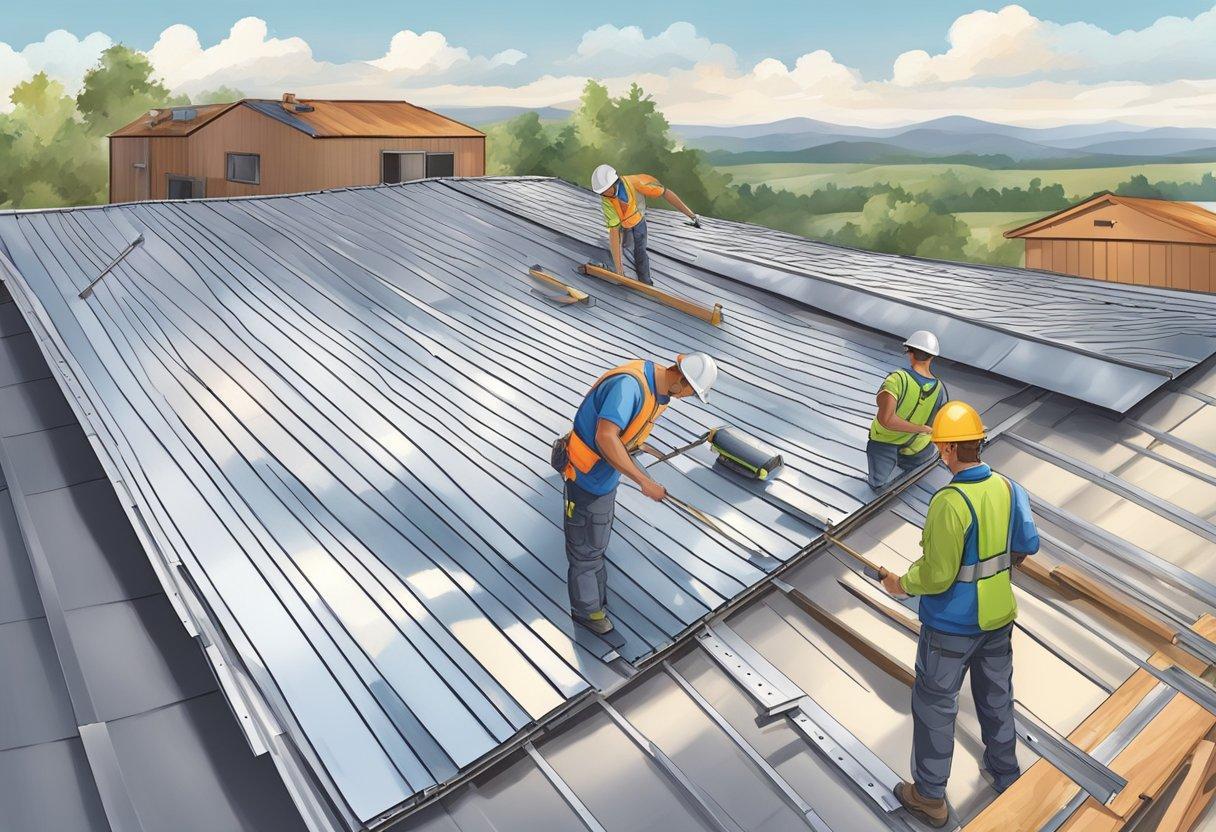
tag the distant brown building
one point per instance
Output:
(254, 147)
(1148, 242)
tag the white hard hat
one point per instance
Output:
(925, 341)
(602, 177)
(701, 372)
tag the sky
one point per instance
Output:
(875, 62)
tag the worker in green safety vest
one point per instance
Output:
(907, 402)
(978, 527)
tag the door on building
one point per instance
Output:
(402, 166)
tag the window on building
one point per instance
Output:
(245, 167)
(185, 187)
(402, 166)
(440, 164)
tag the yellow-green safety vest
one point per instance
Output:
(914, 403)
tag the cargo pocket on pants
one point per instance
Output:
(599, 526)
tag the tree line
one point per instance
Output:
(54, 144)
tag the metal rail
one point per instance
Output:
(563, 788)
(787, 791)
(777, 694)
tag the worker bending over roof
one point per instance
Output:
(907, 402)
(978, 527)
(613, 421)
(624, 203)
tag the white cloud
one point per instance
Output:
(1005, 65)
(612, 51)
(1012, 43)
(61, 55)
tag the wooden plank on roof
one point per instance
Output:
(1196, 792)
(697, 310)
(1148, 763)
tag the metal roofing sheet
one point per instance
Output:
(92, 648)
(1062, 669)
(1104, 343)
(335, 409)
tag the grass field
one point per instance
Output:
(805, 177)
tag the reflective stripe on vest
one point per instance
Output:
(633, 209)
(914, 404)
(582, 456)
(993, 525)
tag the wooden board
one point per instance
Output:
(712, 316)
(1114, 603)
(1195, 793)
(1148, 763)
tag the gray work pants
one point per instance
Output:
(634, 240)
(588, 526)
(942, 659)
(884, 459)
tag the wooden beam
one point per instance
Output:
(552, 282)
(1149, 762)
(1117, 606)
(710, 315)
(1195, 793)
(899, 617)
(858, 642)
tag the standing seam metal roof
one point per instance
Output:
(331, 412)
(1108, 344)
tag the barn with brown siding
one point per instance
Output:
(1146, 242)
(256, 147)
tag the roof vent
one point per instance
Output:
(185, 113)
(293, 105)
(155, 117)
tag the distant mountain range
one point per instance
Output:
(1089, 145)
(958, 139)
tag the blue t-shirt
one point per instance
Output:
(619, 400)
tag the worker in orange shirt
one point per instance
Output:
(624, 203)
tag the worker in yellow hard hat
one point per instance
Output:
(978, 527)
(624, 204)
(907, 402)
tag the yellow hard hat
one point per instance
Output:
(957, 422)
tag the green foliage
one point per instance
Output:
(1202, 191)
(53, 146)
(902, 225)
(118, 89)
(219, 95)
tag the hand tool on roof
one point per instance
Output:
(1095, 778)
(88, 290)
(566, 294)
(871, 569)
(737, 451)
(697, 310)
(758, 557)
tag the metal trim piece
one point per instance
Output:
(870, 774)
(1098, 781)
(103, 762)
(563, 788)
(771, 774)
(674, 772)
(88, 290)
(1169, 439)
(1114, 744)
(1118, 485)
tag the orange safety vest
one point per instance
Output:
(582, 456)
(638, 186)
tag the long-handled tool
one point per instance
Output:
(737, 452)
(565, 294)
(871, 569)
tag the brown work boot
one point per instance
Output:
(933, 812)
(598, 622)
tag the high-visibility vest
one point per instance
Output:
(914, 404)
(582, 456)
(632, 210)
(987, 560)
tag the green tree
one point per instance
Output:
(889, 223)
(219, 95)
(50, 160)
(119, 89)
